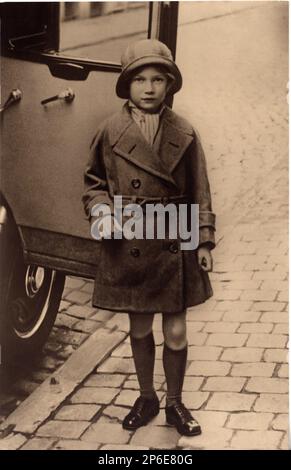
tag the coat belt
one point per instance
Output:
(141, 200)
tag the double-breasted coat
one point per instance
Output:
(149, 276)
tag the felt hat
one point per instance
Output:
(142, 53)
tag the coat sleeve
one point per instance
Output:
(95, 179)
(202, 195)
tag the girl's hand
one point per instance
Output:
(205, 260)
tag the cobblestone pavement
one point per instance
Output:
(236, 380)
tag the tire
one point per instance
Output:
(29, 297)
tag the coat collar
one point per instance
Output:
(128, 142)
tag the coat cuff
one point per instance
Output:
(206, 219)
(206, 237)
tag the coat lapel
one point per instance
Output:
(128, 142)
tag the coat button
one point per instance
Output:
(135, 183)
(135, 252)
(173, 248)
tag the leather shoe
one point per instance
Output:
(178, 416)
(143, 410)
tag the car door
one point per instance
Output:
(63, 61)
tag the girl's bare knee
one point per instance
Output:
(175, 332)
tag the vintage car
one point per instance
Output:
(59, 67)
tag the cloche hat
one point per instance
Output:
(142, 53)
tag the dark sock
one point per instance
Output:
(174, 362)
(143, 351)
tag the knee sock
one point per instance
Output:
(174, 362)
(143, 351)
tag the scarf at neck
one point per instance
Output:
(147, 122)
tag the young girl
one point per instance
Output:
(148, 154)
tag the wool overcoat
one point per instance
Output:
(149, 276)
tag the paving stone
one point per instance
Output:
(191, 384)
(259, 294)
(275, 317)
(124, 447)
(208, 368)
(250, 420)
(98, 395)
(242, 355)
(71, 444)
(281, 422)
(118, 365)
(39, 443)
(253, 369)
(65, 336)
(195, 400)
(65, 321)
(283, 296)
(224, 384)
(74, 283)
(260, 440)
(124, 350)
(106, 433)
(239, 276)
(88, 287)
(115, 412)
(196, 339)
(195, 326)
(242, 284)
(255, 328)
(269, 275)
(221, 327)
(50, 363)
(102, 315)
(221, 401)
(227, 294)
(227, 339)
(40, 375)
(266, 341)
(78, 297)
(119, 321)
(209, 353)
(283, 371)
(281, 329)
(64, 305)
(269, 306)
(82, 311)
(276, 355)
(87, 326)
(66, 429)
(274, 403)
(209, 419)
(105, 380)
(198, 316)
(158, 437)
(12, 442)
(212, 438)
(275, 284)
(234, 305)
(241, 316)
(77, 412)
(269, 385)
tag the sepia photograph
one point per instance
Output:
(144, 214)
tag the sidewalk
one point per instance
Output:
(236, 381)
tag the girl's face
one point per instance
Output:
(148, 88)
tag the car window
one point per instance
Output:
(101, 30)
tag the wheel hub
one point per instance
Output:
(33, 280)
